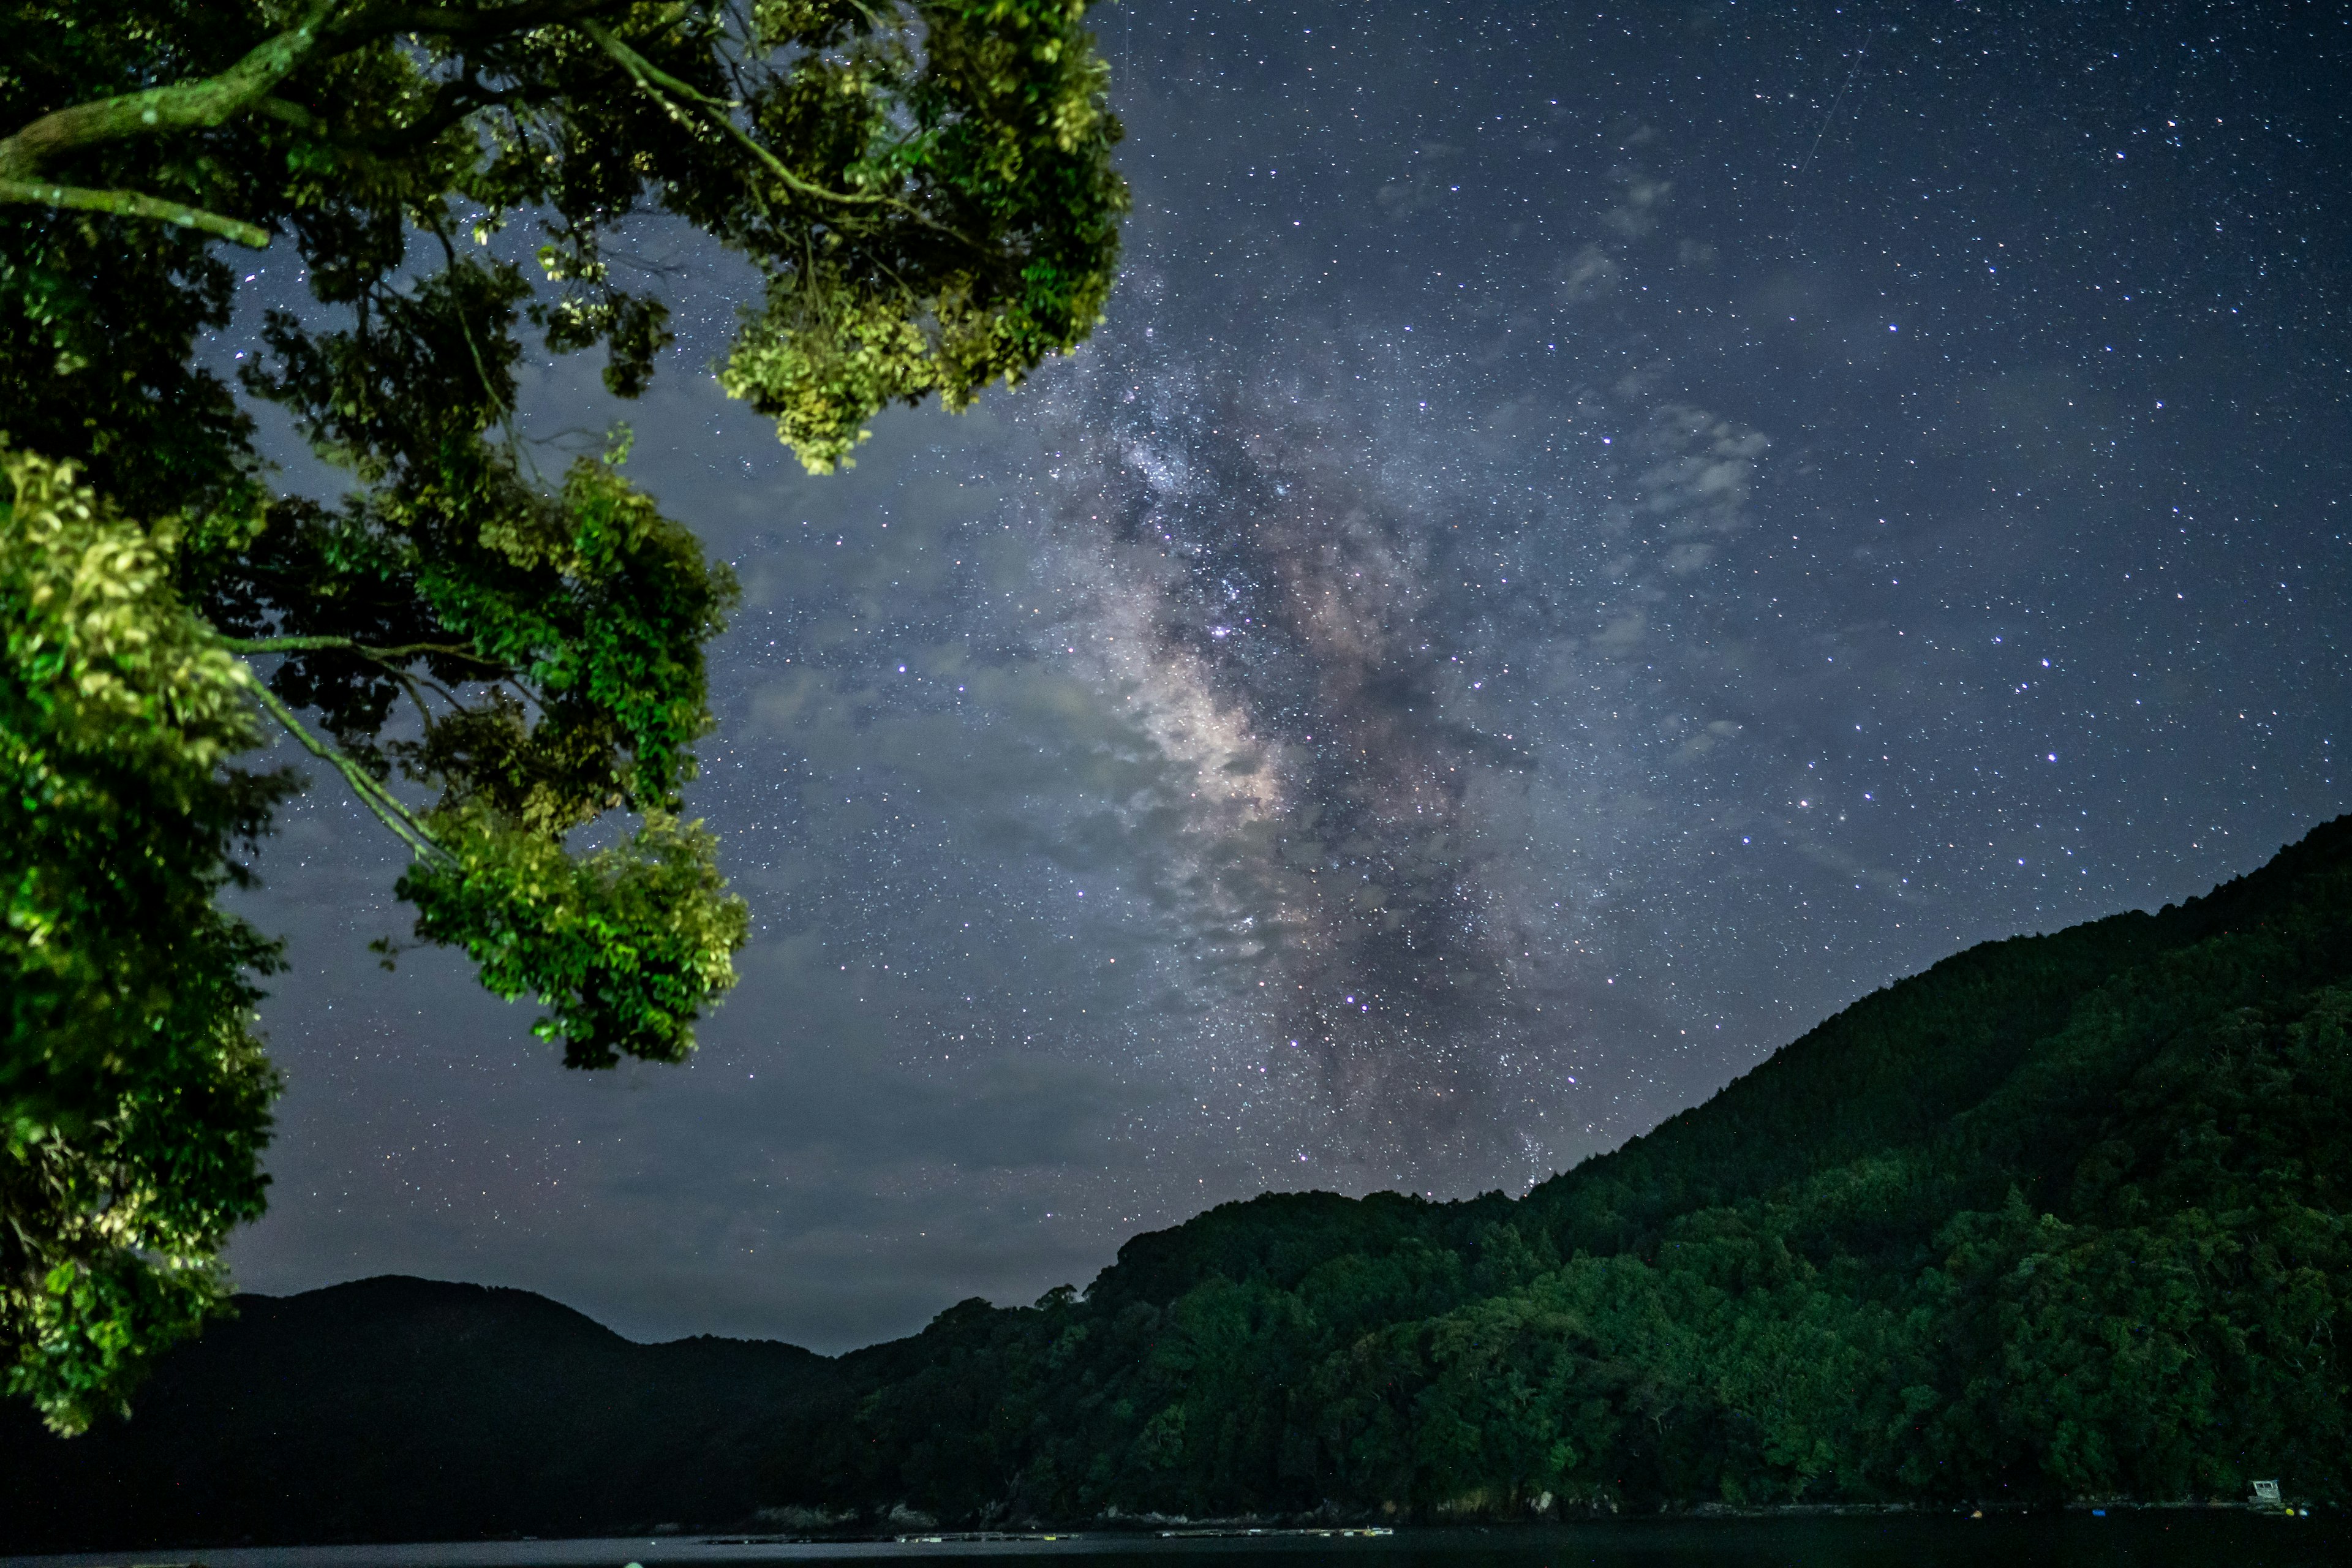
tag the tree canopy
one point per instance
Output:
(489, 658)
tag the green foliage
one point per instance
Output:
(1001, 118)
(491, 661)
(2063, 1217)
(132, 1094)
(623, 945)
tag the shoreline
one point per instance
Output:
(647, 1551)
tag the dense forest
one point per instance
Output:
(2062, 1217)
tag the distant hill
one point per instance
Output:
(2064, 1217)
(399, 1409)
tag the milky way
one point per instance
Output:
(1300, 603)
(1585, 543)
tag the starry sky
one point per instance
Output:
(1590, 539)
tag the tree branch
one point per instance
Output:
(451, 105)
(130, 204)
(213, 101)
(347, 644)
(182, 106)
(467, 21)
(247, 86)
(416, 694)
(373, 794)
(655, 80)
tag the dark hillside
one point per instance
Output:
(1893, 1068)
(404, 1409)
(1280, 1238)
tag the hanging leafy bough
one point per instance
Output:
(487, 660)
(135, 1096)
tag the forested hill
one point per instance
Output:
(400, 1409)
(2064, 1217)
(1895, 1069)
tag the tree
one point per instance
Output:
(489, 660)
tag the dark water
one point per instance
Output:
(2199, 1541)
(2074, 1541)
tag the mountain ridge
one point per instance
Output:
(397, 1408)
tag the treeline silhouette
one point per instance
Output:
(2062, 1217)
(399, 1409)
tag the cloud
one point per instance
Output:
(1588, 274)
(1636, 213)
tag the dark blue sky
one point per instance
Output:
(1588, 541)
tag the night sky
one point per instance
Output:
(1589, 540)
